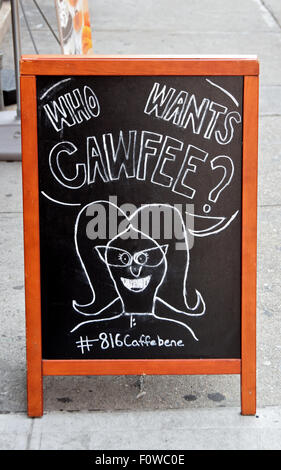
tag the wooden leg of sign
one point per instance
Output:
(31, 246)
(34, 391)
(249, 244)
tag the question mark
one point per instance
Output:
(226, 163)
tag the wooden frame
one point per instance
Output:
(31, 66)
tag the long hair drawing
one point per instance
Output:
(132, 270)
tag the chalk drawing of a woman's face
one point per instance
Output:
(132, 274)
(137, 265)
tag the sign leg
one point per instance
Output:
(31, 246)
(249, 247)
(34, 392)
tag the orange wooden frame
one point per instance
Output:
(31, 66)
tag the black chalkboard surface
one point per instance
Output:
(140, 216)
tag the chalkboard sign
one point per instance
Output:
(140, 217)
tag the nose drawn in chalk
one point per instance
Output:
(135, 270)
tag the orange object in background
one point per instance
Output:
(86, 39)
(74, 26)
(87, 19)
(77, 20)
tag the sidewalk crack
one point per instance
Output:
(29, 436)
(270, 12)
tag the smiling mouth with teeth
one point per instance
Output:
(136, 285)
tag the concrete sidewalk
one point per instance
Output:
(157, 412)
(193, 429)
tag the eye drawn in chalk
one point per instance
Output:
(140, 269)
